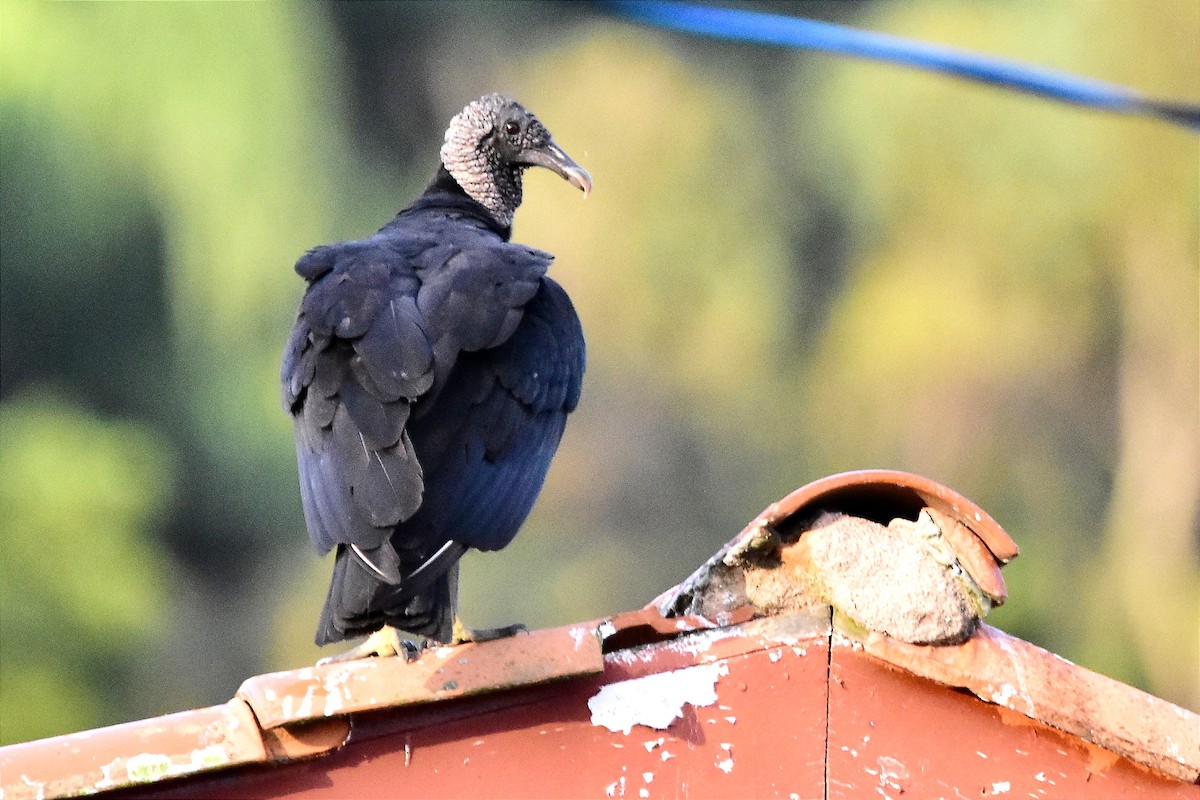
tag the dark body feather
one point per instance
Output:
(429, 374)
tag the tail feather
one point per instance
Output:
(428, 613)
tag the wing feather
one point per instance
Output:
(386, 462)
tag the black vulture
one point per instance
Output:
(429, 375)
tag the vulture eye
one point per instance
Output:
(512, 128)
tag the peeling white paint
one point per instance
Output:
(648, 777)
(842, 640)
(337, 692)
(1004, 694)
(655, 700)
(1015, 660)
(41, 787)
(643, 792)
(775, 655)
(697, 644)
(891, 772)
(666, 755)
(616, 788)
(1001, 787)
(106, 770)
(145, 767)
(731, 720)
(726, 764)
(653, 743)
(579, 633)
(307, 702)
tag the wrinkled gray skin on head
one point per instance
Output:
(491, 142)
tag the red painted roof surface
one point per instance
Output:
(788, 703)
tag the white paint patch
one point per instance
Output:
(40, 786)
(775, 655)
(306, 703)
(648, 777)
(892, 774)
(653, 743)
(1003, 787)
(643, 792)
(666, 755)
(105, 770)
(579, 633)
(146, 767)
(1004, 694)
(337, 692)
(655, 700)
(725, 764)
(1015, 660)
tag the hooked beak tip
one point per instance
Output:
(580, 179)
(553, 157)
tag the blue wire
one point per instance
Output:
(774, 29)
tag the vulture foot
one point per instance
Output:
(463, 634)
(387, 641)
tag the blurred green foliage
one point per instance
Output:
(85, 586)
(792, 265)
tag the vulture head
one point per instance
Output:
(491, 142)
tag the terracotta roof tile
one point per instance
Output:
(788, 667)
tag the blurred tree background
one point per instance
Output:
(792, 265)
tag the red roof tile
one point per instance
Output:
(648, 704)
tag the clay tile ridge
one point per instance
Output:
(297, 714)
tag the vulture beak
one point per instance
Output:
(553, 158)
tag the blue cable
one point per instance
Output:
(774, 29)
